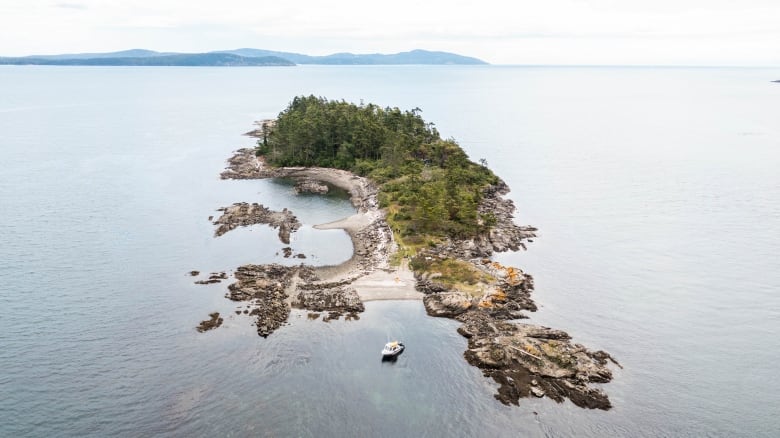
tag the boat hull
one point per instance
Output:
(393, 352)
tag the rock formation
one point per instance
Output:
(309, 185)
(210, 324)
(242, 214)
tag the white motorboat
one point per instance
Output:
(392, 349)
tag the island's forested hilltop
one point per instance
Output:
(239, 57)
(428, 184)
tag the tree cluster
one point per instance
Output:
(428, 184)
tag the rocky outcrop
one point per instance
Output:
(271, 290)
(242, 214)
(531, 360)
(244, 164)
(525, 360)
(309, 185)
(265, 287)
(504, 296)
(210, 324)
(504, 235)
(447, 304)
(326, 298)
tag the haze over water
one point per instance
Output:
(655, 191)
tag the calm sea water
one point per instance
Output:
(656, 192)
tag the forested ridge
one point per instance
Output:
(428, 184)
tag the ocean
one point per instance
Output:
(656, 192)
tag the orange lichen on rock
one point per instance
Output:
(514, 276)
(499, 295)
(486, 303)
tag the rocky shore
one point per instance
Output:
(525, 360)
(242, 214)
(271, 290)
(308, 185)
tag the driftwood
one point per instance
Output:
(525, 352)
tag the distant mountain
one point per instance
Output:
(412, 57)
(132, 53)
(153, 59)
(241, 57)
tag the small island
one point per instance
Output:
(428, 221)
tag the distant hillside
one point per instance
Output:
(413, 57)
(184, 60)
(242, 57)
(132, 53)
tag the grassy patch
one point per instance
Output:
(453, 273)
(409, 244)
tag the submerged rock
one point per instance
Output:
(214, 277)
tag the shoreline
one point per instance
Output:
(372, 240)
(525, 360)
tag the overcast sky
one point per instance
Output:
(677, 32)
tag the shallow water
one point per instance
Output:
(656, 193)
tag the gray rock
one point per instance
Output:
(308, 185)
(243, 214)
